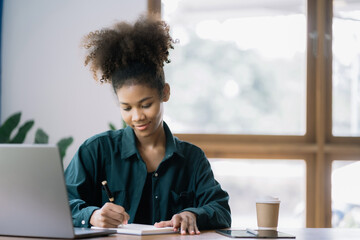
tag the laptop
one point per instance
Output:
(33, 196)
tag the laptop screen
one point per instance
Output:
(33, 198)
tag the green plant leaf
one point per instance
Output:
(41, 137)
(63, 144)
(22, 132)
(112, 126)
(9, 125)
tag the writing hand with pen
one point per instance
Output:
(110, 215)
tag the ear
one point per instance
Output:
(166, 93)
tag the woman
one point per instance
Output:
(154, 177)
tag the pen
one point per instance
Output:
(107, 190)
(251, 231)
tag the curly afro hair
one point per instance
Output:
(130, 53)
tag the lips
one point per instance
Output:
(142, 127)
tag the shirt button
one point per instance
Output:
(156, 174)
(156, 197)
(83, 222)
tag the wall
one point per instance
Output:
(43, 72)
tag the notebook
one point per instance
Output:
(33, 196)
(141, 229)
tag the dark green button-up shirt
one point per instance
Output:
(183, 181)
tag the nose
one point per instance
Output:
(137, 115)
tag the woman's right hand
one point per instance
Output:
(109, 216)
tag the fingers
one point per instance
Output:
(110, 215)
(176, 220)
(163, 224)
(116, 212)
(109, 222)
(98, 219)
(188, 223)
(185, 221)
(197, 229)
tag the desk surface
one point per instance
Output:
(301, 234)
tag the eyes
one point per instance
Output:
(144, 106)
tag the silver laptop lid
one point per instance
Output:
(33, 197)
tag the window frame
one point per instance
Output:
(318, 147)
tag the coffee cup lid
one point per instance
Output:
(268, 199)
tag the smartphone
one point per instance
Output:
(254, 234)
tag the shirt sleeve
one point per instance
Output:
(213, 211)
(82, 193)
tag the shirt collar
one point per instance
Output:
(128, 143)
(171, 146)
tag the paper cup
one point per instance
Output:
(267, 212)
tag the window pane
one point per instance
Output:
(345, 193)
(346, 68)
(239, 67)
(246, 180)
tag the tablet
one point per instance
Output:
(254, 234)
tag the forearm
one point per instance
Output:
(81, 213)
(212, 202)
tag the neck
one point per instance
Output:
(158, 139)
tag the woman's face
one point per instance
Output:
(142, 108)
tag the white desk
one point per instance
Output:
(300, 233)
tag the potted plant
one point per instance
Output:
(12, 122)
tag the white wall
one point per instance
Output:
(43, 74)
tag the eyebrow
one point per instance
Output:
(142, 100)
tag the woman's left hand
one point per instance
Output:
(185, 221)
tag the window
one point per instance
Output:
(345, 200)
(346, 68)
(247, 57)
(300, 102)
(245, 180)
